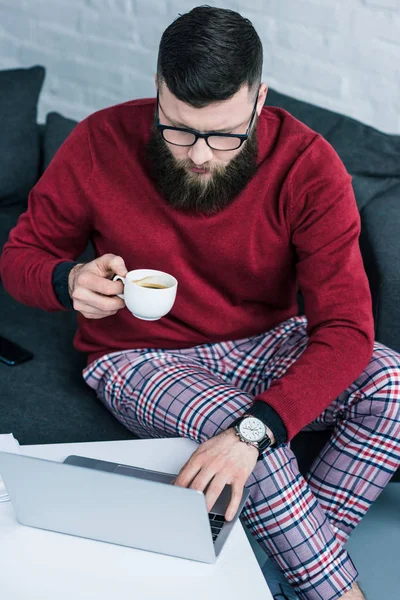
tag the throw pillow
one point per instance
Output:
(56, 132)
(364, 150)
(19, 139)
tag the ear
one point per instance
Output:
(262, 95)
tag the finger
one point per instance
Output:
(97, 302)
(110, 265)
(118, 267)
(104, 286)
(92, 280)
(187, 474)
(96, 315)
(202, 479)
(214, 490)
(92, 313)
(236, 496)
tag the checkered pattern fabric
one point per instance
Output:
(301, 522)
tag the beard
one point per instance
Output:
(206, 194)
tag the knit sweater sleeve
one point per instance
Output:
(55, 228)
(324, 228)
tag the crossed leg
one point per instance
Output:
(301, 522)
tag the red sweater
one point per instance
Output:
(295, 224)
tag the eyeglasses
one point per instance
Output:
(216, 141)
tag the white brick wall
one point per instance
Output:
(340, 54)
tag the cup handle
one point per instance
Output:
(115, 278)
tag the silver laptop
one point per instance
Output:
(117, 503)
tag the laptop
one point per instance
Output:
(117, 503)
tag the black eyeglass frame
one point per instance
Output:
(241, 136)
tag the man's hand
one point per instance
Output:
(90, 288)
(220, 460)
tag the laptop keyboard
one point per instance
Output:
(216, 523)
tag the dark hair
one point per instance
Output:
(208, 54)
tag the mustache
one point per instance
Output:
(183, 165)
(187, 163)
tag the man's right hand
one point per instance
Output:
(91, 291)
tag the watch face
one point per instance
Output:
(252, 429)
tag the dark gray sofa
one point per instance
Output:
(45, 400)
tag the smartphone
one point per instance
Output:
(12, 354)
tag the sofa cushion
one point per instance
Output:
(370, 156)
(19, 139)
(45, 400)
(319, 119)
(56, 131)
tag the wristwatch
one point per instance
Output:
(252, 431)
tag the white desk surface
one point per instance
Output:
(42, 565)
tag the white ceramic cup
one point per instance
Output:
(148, 304)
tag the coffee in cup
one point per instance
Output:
(148, 294)
(151, 282)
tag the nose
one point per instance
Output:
(200, 153)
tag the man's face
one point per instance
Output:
(199, 178)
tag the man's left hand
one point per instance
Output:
(221, 460)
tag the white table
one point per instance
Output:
(42, 565)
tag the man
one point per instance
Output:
(241, 203)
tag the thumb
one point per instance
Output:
(110, 265)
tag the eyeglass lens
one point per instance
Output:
(185, 138)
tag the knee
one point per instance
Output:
(387, 388)
(393, 390)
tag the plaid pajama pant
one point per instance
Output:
(301, 522)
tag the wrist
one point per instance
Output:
(232, 432)
(72, 277)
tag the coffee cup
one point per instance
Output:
(148, 294)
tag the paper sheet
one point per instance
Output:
(8, 443)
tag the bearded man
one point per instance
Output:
(243, 205)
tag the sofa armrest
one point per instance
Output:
(380, 247)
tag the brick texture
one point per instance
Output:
(334, 53)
